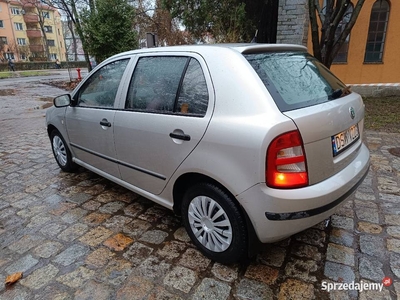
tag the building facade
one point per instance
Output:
(29, 31)
(370, 54)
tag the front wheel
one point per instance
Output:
(61, 152)
(215, 223)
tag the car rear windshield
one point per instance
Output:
(295, 79)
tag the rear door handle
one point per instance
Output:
(105, 122)
(184, 137)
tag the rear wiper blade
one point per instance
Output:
(341, 92)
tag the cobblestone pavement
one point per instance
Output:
(78, 236)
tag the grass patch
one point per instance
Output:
(382, 114)
(6, 74)
(33, 73)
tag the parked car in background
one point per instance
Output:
(241, 140)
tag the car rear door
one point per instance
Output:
(90, 122)
(168, 107)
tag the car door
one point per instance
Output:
(90, 121)
(168, 107)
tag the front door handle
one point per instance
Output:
(184, 137)
(105, 122)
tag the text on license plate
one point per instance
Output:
(344, 139)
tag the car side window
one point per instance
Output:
(155, 84)
(102, 86)
(193, 97)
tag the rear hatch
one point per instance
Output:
(328, 116)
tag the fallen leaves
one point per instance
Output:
(11, 279)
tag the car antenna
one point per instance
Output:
(254, 39)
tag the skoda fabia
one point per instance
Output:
(241, 140)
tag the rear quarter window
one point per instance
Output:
(295, 79)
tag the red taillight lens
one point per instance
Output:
(286, 162)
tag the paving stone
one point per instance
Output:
(154, 237)
(135, 288)
(342, 222)
(153, 214)
(96, 218)
(311, 236)
(70, 255)
(181, 235)
(340, 254)
(95, 190)
(375, 294)
(136, 228)
(389, 198)
(74, 215)
(96, 236)
(137, 253)
(106, 197)
(52, 229)
(22, 265)
(394, 231)
(181, 278)
(367, 214)
(372, 245)
(118, 242)
(134, 209)
(369, 228)
(62, 208)
(153, 267)
(193, 259)
(225, 273)
(212, 289)
(338, 272)
(159, 293)
(307, 251)
(302, 269)
(393, 245)
(116, 223)
(48, 249)
(365, 196)
(79, 198)
(40, 277)
(112, 207)
(73, 232)
(172, 250)
(342, 237)
(76, 278)
(262, 273)
(99, 257)
(25, 243)
(15, 294)
(52, 293)
(295, 290)
(372, 269)
(272, 256)
(116, 272)
(392, 220)
(91, 205)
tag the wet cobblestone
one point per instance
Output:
(79, 236)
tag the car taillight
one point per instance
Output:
(286, 163)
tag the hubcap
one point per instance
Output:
(59, 150)
(210, 224)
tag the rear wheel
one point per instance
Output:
(61, 152)
(215, 223)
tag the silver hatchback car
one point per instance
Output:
(241, 140)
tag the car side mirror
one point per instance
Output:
(62, 101)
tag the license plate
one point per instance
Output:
(344, 139)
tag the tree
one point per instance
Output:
(229, 20)
(108, 29)
(328, 41)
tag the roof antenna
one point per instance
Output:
(254, 39)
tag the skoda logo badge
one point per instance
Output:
(352, 112)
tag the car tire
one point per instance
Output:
(215, 223)
(61, 152)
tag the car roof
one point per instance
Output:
(239, 47)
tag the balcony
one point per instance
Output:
(36, 48)
(31, 18)
(34, 33)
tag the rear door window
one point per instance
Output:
(295, 79)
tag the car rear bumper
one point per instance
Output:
(277, 214)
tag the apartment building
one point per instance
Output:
(30, 31)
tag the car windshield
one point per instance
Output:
(295, 79)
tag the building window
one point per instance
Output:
(3, 40)
(22, 56)
(15, 11)
(9, 55)
(46, 14)
(48, 29)
(377, 31)
(51, 43)
(53, 55)
(60, 44)
(18, 26)
(1, 24)
(341, 56)
(21, 41)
